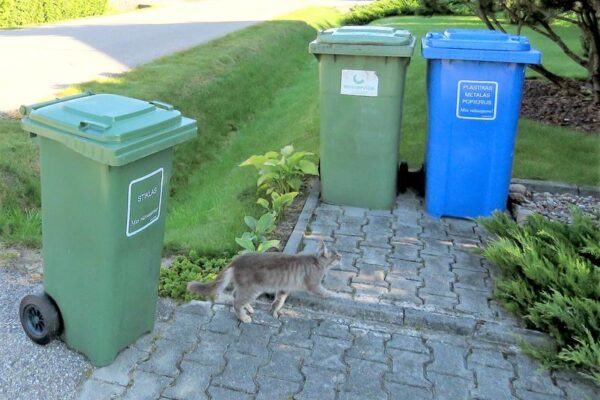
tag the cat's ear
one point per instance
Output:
(322, 248)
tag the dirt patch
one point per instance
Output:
(549, 104)
(288, 220)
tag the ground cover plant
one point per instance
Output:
(173, 280)
(551, 277)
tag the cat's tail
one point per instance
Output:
(211, 288)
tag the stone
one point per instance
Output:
(271, 388)
(469, 279)
(447, 302)
(296, 332)
(487, 358)
(365, 378)
(163, 361)
(334, 329)
(327, 353)
(405, 269)
(253, 340)
(320, 384)
(406, 392)
(285, 363)
(350, 229)
(223, 322)
(473, 301)
(369, 345)
(346, 243)
(339, 281)
(118, 371)
(448, 359)
(347, 263)
(517, 197)
(371, 275)
(192, 382)
(407, 343)
(517, 188)
(493, 384)
(436, 247)
(450, 323)
(147, 385)
(227, 394)
(239, 372)
(408, 368)
(406, 252)
(450, 387)
(211, 349)
(371, 255)
(531, 377)
(98, 390)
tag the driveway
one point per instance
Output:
(39, 62)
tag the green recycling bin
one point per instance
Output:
(362, 71)
(105, 164)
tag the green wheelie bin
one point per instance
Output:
(362, 71)
(105, 164)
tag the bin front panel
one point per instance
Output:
(473, 111)
(360, 130)
(103, 230)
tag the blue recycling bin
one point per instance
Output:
(474, 87)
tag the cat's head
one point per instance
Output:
(328, 256)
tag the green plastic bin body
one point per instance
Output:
(362, 72)
(103, 213)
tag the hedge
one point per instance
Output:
(15, 13)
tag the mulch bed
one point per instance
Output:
(288, 220)
(549, 104)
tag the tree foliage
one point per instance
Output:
(539, 15)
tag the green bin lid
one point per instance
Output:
(379, 41)
(111, 129)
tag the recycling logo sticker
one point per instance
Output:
(359, 83)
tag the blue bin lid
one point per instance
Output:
(479, 45)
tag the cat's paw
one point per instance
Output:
(275, 314)
(245, 319)
(249, 309)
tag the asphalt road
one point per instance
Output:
(39, 62)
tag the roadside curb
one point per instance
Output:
(558, 187)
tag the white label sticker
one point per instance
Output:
(477, 100)
(359, 83)
(144, 201)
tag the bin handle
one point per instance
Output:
(86, 124)
(163, 105)
(26, 110)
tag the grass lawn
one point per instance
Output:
(253, 91)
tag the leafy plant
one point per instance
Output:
(551, 277)
(173, 280)
(256, 239)
(278, 203)
(282, 172)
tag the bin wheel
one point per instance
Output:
(40, 318)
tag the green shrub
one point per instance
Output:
(173, 280)
(256, 239)
(25, 12)
(283, 172)
(362, 15)
(551, 277)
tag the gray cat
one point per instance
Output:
(256, 273)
